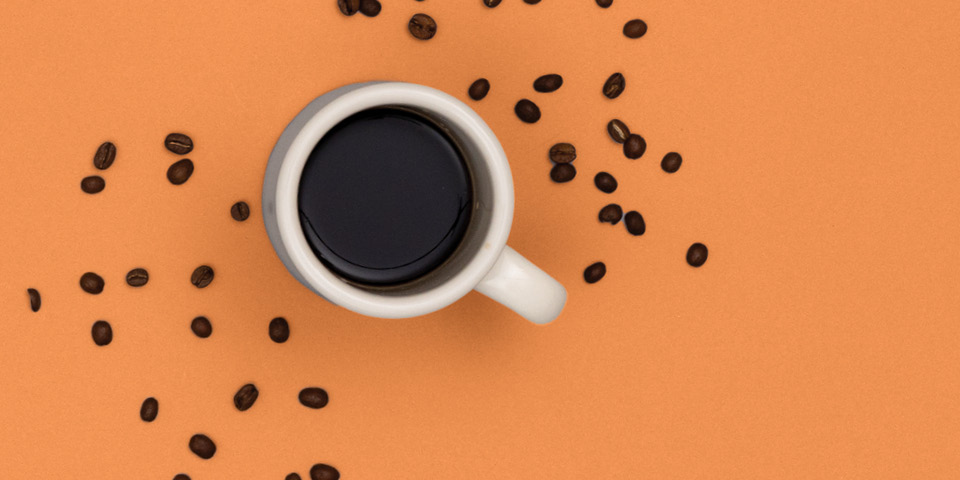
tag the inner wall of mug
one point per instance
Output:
(480, 215)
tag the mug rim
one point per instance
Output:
(352, 99)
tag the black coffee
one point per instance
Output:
(385, 197)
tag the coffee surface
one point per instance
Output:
(385, 197)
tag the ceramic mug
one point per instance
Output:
(482, 262)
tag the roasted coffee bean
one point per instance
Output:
(182, 476)
(604, 3)
(102, 333)
(137, 277)
(634, 223)
(292, 476)
(562, 172)
(618, 131)
(201, 327)
(479, 89)
(527, 111)
(634, 147)
(563, 153)
(279, 330)
(611, 214)
(635, 28)
(422, 26)
(34, 299)
(548, 83)
(531, 2)
(245, 397)
(595, 272)
(92, 184)
(314, 397)
(106, 154)
(697, 254)
(91, 283)
(202, 276)
(149, 410)
(370, 8)
(671, 162)
(614, 85)
(202, 446)
(240, 211)
(178, 143)
(322, 471)
(491, 3)
(180, 172)
(605, 182)
(348, 7)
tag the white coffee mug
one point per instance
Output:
(483, 261)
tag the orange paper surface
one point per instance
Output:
(820, 340)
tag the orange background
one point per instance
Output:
(820, 340)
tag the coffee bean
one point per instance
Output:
(604, 3)
(314, 397)
(618, 130)
(137, 277)
(491, 3)
(240, 211)
(202, 276)
(322, 471)
(531, 2)
(180, 172)
(149, 410)
(348, 7)
(181, 476)
(697, 254)
(605, 182)
(595, 272)
(370, 8)
(671, 162)
(92, 184)
(634, 223)
(91, 283)
(479, 89)
(634, 147)
(527, 111)
(562, 172)
(34, 299)
(106, 153)
(201, 327)
(102, 333)
(611, 214)
(245, 397)
(279, 330)
(614, 85)
(178, 143)
(548, 83)
(563, 153)
(422, 26)
(292, 476)
(202, 446)
(635, 28)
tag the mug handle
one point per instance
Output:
(522, 287)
